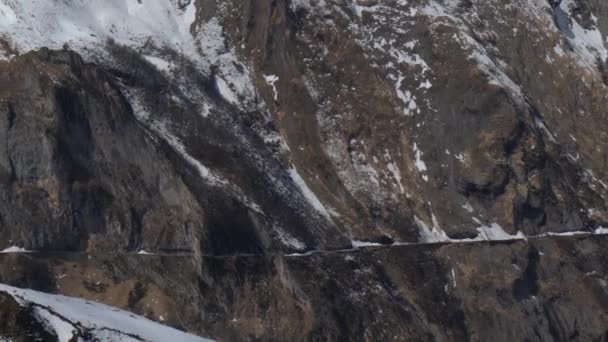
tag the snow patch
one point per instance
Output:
(159, 63)
(396, 174)
(601, 231)
(308, 194)
(289, 240)
(225, 91)
(64, 330)
(431, 235)
(35, 23)
(7, 14)
(420, 164)
(271, 80)
(362, 244)
(14, 249)
(144, 26)
(494, 232)
(406, 97)
(468, 207)
(66, 314)
(588, 44)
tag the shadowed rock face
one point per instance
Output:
(19, 323)
(79, 172)
(227, 135)
(101, 176)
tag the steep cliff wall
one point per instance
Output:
(302, 125)
(312, 169)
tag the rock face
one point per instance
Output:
(303, 125)
(229, 135)
(551, 289)
(79, 172)
(19, 324)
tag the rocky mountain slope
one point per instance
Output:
(302, 162)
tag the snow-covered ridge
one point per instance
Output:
(66, 316)
(30, 24)
(145, 26)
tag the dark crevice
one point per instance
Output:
(527, 286)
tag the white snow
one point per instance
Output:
(308, 194)
(105, 323)
(14, 249)
(7, 14)
(431, 235)
(225, 90)
(145, 26)
(143, 252)
(235, 75)
(396, 174)
(494, 232)
(434, 235)
(308, 4)
(597, 231)
(159, 63)
(468, 207)
(360, 244)
(35, 23)
(587, 44)
(601, 231)
(420, 165)
(426, 85)
(64, 330)
(271, 80)
(413, 60)
(289, 240)
(573, 233)
(406, 97)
